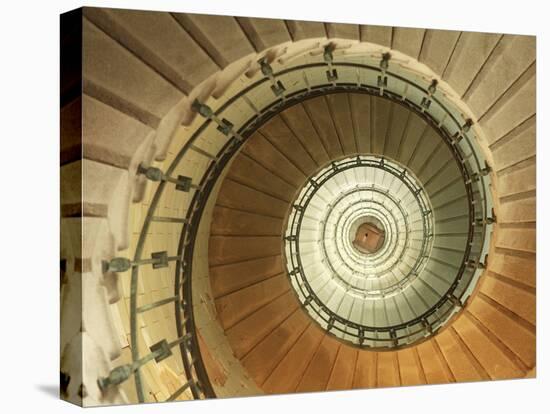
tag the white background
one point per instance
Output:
(29, 203)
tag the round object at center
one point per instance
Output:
(367, 234)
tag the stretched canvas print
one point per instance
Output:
(258, 206)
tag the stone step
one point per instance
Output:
(220, 36)
(381, 35)
(277, 159)
(516, 298)
(460, 359)
(226, 221)
(342, 31)
(126, 83)
(279, 134)
(511, 57)
(437, 48)
(471, 52)
(408, 40)
(251, 173)
(234, 194)
(150, 36)
(490, 356)
(300, 30)
(264, 33)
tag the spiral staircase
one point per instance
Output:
(233, 170)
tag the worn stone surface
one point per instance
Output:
(492, 359)
(343, 31)
(380, 35)
(408, 40)
(437, 49)
(471, 52)
(511, 57)
(264, 33)
(300, 30)
(150, 36)
(221, 36)
(114, 75)
(111, 137)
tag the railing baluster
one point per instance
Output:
(332, 74)
(202, 152)
(382, 81)
(224, 126)
(161, 219)
(182, 182)
(121, 264)
(179, 391)
(159, 351)
(148, 307)
(277, 86)
(427, 100)
(463, 130)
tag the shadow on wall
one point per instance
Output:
(51, 390)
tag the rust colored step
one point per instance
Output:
(520, 269)
(242, 197)
(388, 370)
(507, 328)
(251, 330)
(236, 306)
(287, 374)
(265, 356)
(343, 370)
(365, 370)
(227, 221)
(318, 371)
(339, 107)
(462, 367)
(520, 301)
(409, 370)
(433, 366)
(226, 249)
(490, 356)
(229, 278)
(318, 111)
